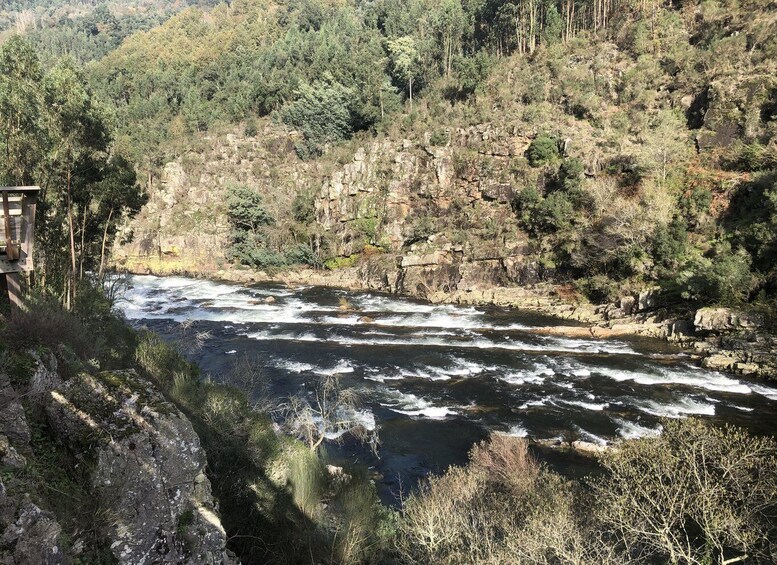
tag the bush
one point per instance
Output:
(696, 494)
(668, 244)
(503, 507)
(322, 113)
(722, 278)
(599, 289)
(245, 209)
(543, 149)
(570, 174)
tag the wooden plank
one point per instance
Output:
(25, 189)
(29, 204)
(14, 292)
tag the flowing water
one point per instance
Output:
(437, 378)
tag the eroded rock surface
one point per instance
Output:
(148, 468)
(29, 535)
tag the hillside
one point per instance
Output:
(615, 159)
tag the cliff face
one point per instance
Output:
(445, 222)
(127, 460)
(441, 214)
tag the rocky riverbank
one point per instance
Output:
(717, 338)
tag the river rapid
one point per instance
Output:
(438, 378)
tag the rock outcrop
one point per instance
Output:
(148, 468)
(29, 535)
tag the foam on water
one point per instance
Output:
(588, 436)
(768, 392)
(679, 409)
(633, 430)
(340, 368)
(516, 430)
(457, 350)
(586, 405)
(412, 405)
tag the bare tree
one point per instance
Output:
(695, 495)
(332, 413)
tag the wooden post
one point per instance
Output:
(18, 210)
(14, 292)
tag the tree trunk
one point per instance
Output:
(83, 245)
(102, 249)
(72, 293)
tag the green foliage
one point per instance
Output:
(342, 262)
(570, 174)
(669, 244)
(304, 207)
(249, 218)
(439, 138)
(322, 113)
(752, 220)
(599, 289)
(723, 277)
(245, 210)
(543, 149)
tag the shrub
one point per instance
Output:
(251, 128)
(321, 112)
(503, 507)
(543, 149)
(696, 494)
(668, 244)
(570, 174)
(752, 219)
(245, 210)
(439, 137)
(722, 278)
(304, 206)
(599, 289)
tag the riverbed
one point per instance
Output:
(435, 379)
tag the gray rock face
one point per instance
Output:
(9, 456)
(13, 422)
(31, 536)
(46, 378)
(149, 473)
(716, 320)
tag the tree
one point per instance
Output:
(448, 22)
(117, 195)
(321, 111)
(332, 413)
(697, 494)
(80, 138)
(404, 62)
(23, 139)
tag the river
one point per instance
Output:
(438, 378)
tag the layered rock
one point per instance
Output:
(148, 468)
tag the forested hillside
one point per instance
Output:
(620, 152)
(614, 145)
(630, 141)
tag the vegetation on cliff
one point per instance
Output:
(632, 143)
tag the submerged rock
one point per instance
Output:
(148, 468)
